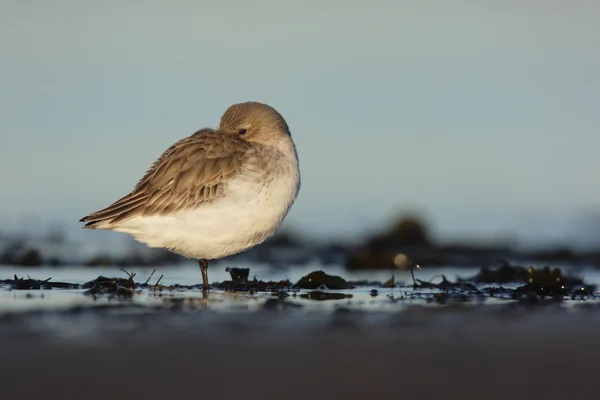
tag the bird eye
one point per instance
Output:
(242, 131)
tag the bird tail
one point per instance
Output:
(121, 210)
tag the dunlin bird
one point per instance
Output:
(214, 193)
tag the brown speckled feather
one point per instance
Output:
(193, 171)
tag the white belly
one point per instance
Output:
(246, 216)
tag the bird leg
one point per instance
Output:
(204, 270)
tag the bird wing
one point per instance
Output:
(193, 171)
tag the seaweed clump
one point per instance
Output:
(36, 284)
(238, 274)
(254, 285)
(117, 287)
(545, 281)
(318, 279)
(239, 283)
(535, 285)
(551, 282)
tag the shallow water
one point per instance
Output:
(386, 299)
(188, 273)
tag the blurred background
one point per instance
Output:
(456, 132)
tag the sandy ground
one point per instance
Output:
(423, 353)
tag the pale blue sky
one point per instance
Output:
(483, 114)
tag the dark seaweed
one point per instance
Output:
(35, 284)
(317, 279)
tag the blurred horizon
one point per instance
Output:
(482, 117)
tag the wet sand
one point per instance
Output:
(483, 352)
